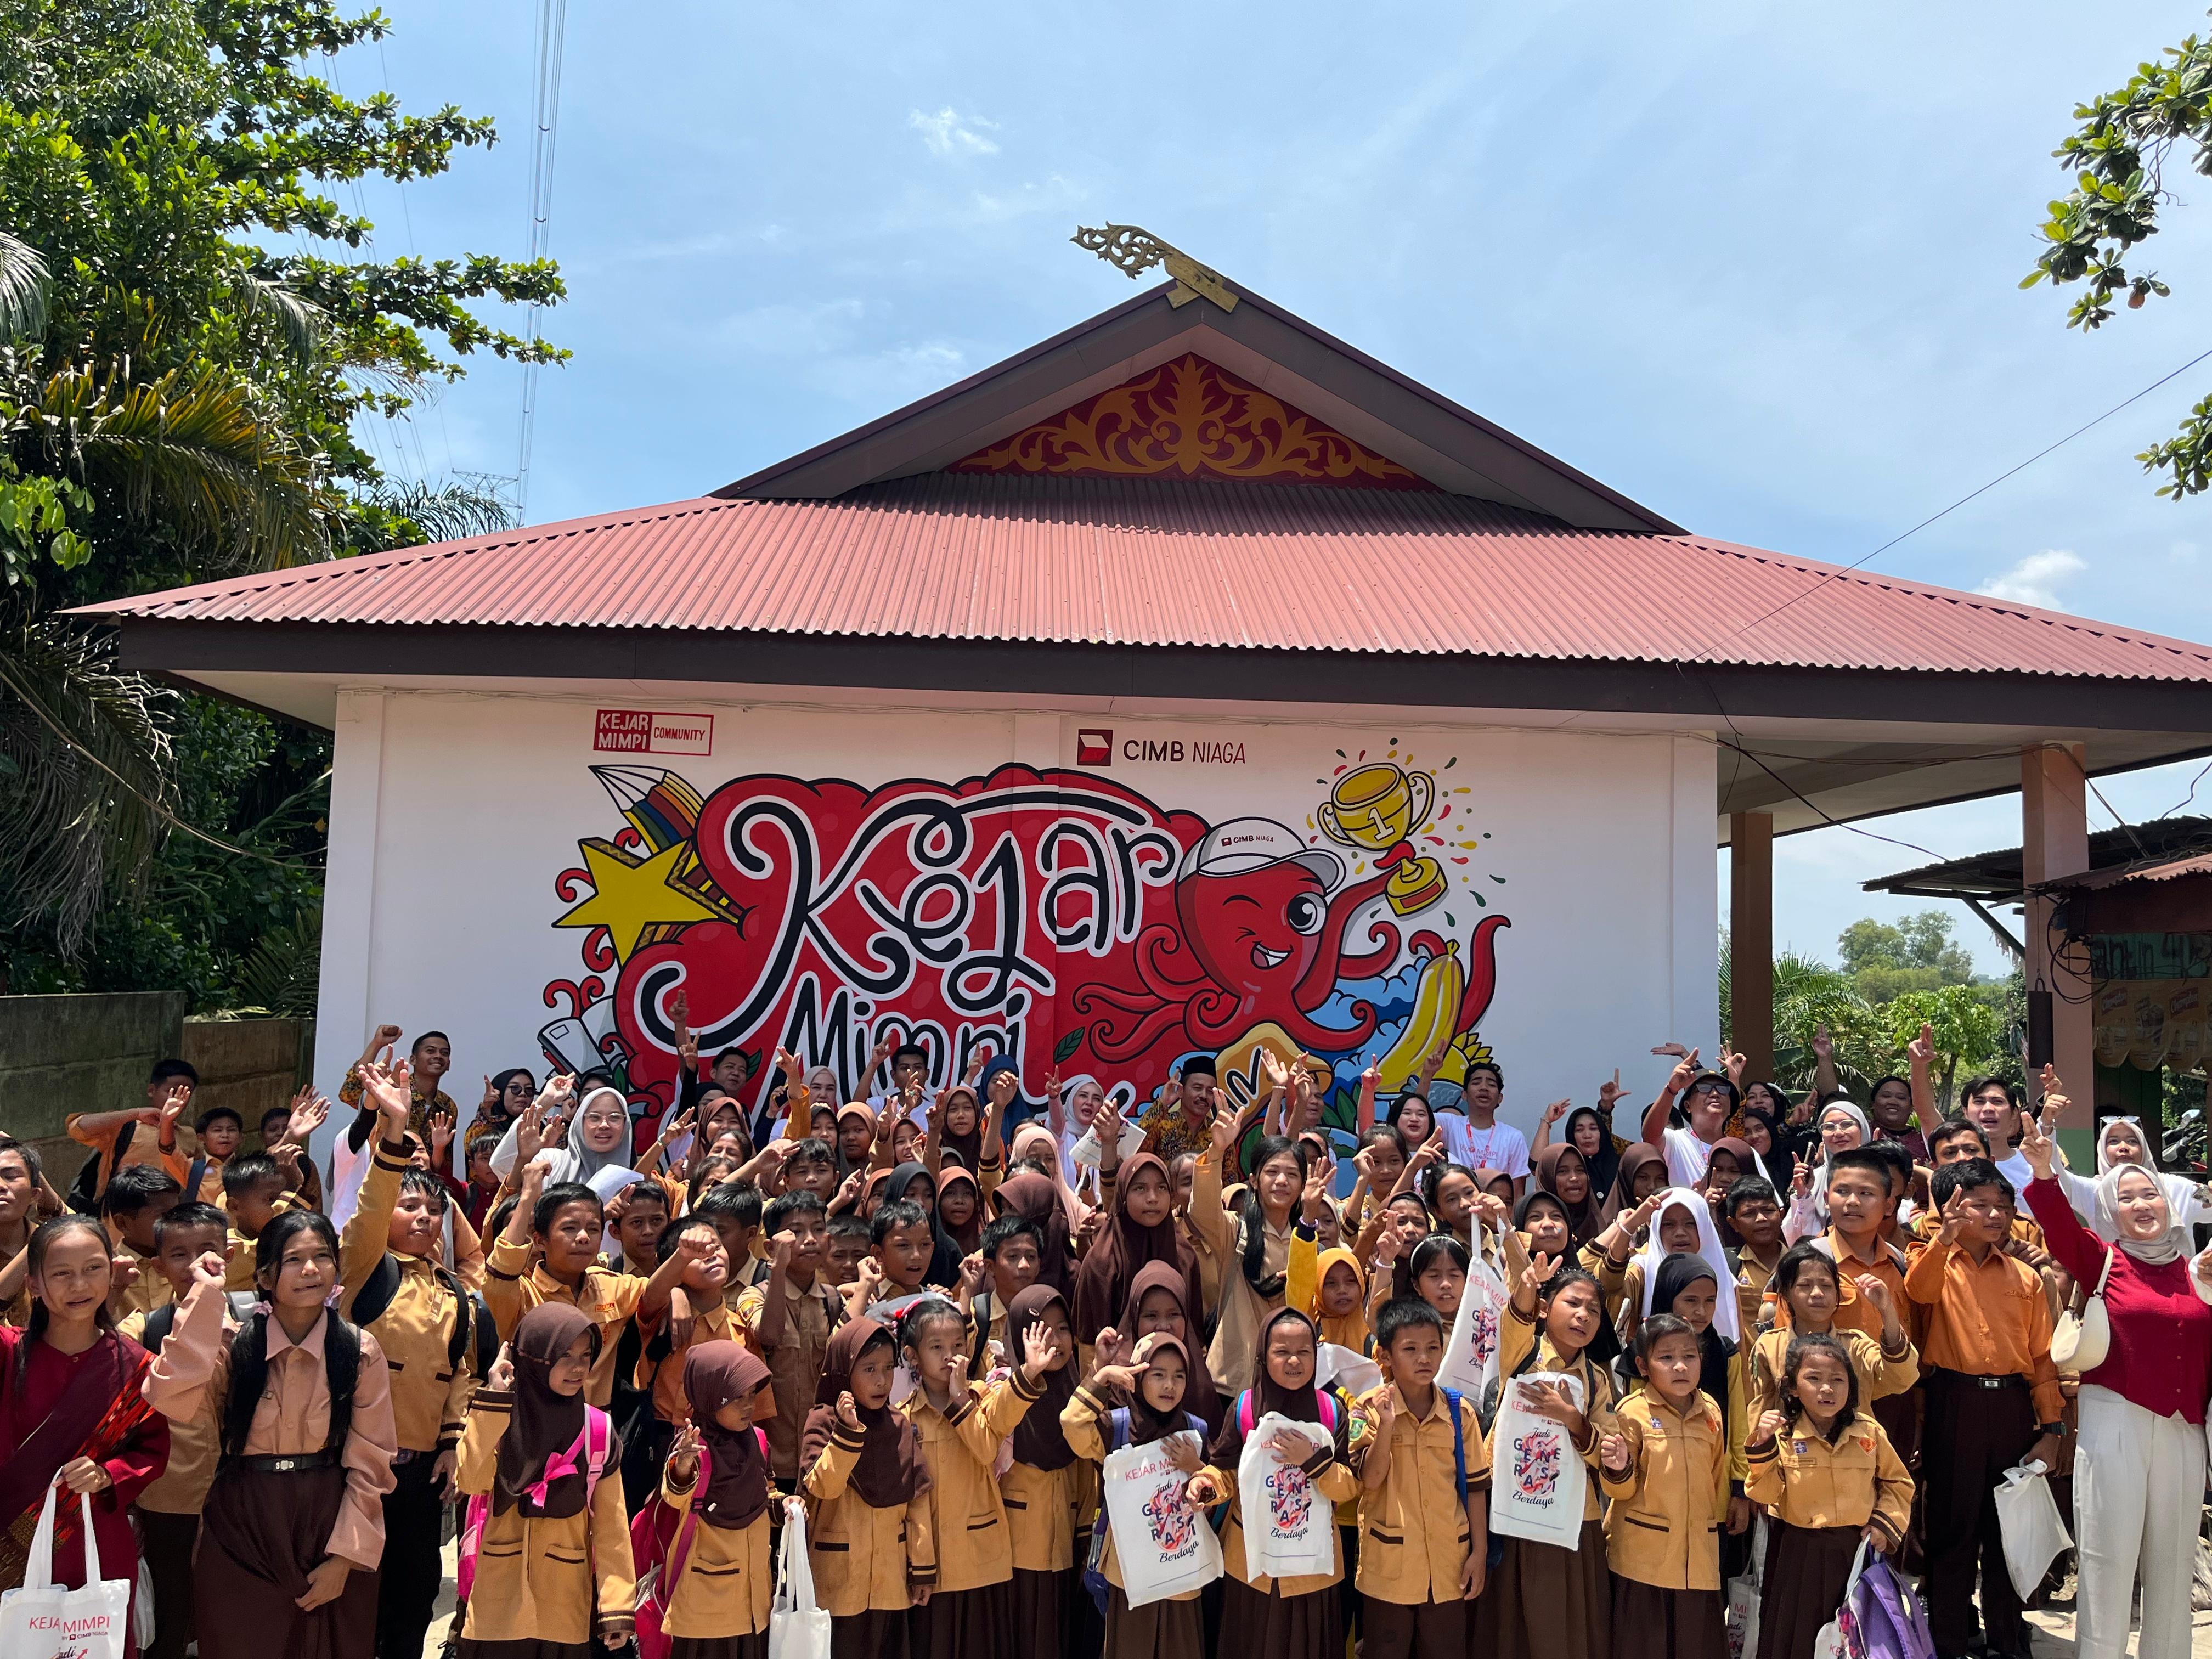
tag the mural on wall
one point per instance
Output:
(1060, 916)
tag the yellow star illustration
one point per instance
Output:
(629, 896)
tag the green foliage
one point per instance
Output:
(1978, 1026)
(189, 330)
(1916, 953)
(2118, 154)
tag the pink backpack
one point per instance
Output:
(660, 1546)
(588, 1455)
(1325, 1398)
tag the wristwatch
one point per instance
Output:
(2054, 1430)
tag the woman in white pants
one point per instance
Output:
(2139, 1465)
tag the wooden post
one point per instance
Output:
(2054, 823)
(1750, 940)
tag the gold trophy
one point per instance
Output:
(1379, 809)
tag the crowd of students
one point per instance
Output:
(619, 1373)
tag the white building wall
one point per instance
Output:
(454, 815)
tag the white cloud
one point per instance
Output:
(949, 132)
(793, 330)
(2035, 579)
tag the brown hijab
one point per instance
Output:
(1200, 1398)
(545, 1425)
(1585, 1220)
(1146, 1424)
(715, 1374)
(969, 1145)
(969, 1236)
(1103, 1277)
(890, 1470)
(1037, 1439)
(1638, 1156)
(1036, 1200)
(1299, 1405)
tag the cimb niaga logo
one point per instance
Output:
(1094, 747)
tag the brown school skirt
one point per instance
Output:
(529, 1647)
(1544, 1602)
(1650, 1623)
(1159, 1630)
(1279, 1626)
(259, 1536)
(878, 1633)
(1042, 1610)
(1805, 1569)
(969, 1624)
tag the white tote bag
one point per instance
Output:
(1537, 1478)
(41, 1621)
(1471, 1356)
(797, 1626)
(1743, 1597)
(1161, 1542)
(2028, 1517)
(1832, 1643)
(1290, 1529)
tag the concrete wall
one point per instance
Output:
(248, 1064)
(65, 1055)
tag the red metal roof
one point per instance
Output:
(1154, 563)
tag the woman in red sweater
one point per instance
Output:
(2139, 1472)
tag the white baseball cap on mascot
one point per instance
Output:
(1244, 845)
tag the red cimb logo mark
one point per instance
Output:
(1094, 747)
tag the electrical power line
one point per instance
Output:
(1830, 575)
(552, 34)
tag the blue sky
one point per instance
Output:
(1754, 265)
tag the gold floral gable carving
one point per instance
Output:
(1190, 418)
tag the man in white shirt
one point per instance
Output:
(1479, 1140)
(909, 1070)
(1987, 1103)
(1710, 1099)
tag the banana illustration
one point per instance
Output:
(1436, 1010)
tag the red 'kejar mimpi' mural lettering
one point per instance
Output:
(1057, 915)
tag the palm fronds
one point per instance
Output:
(191, 450)
(84, 769)
(22, 289)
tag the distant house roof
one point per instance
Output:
(2157, 850)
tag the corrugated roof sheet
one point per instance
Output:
(1163, 563)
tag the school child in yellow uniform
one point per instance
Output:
(718, 1606)
(1423, 1500)
(1542, 1602)
(1824, 1470)
(551, 1554)
(1264, 1618)
(1665, 1467)
(1807, 1285)
(1045, 1489)
(970, 1612)
(1157, 1382)
(871, 1530)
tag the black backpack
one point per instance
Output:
(1494, 1392)
(163, 1319)
(471, 1319)
(84, 1191)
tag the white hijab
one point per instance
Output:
(573, 1161)
(1725, 1320)
(2171, 1245)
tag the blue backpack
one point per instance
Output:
(1094, 1564)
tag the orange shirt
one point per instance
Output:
(1853, 1311)
(1987, 1318)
